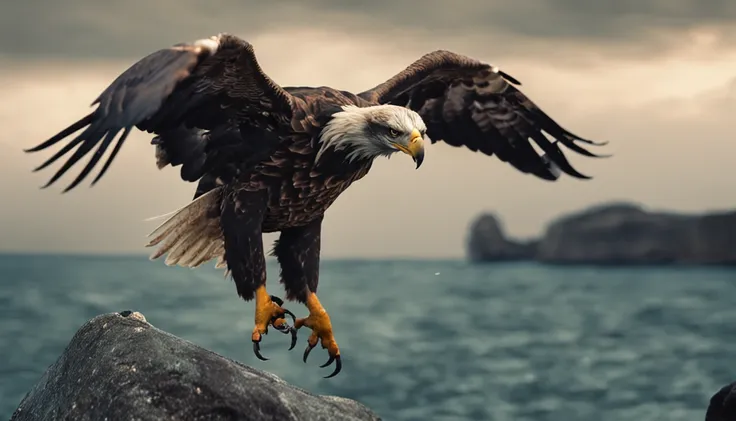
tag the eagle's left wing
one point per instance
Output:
(189, 94)
(465, 102)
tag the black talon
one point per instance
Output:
(307, 351)
(257, 351)
(277, 300)
(293, 318)
(293, 338)
(328, 362)
(338, 367)
(280, 303)
(285, 328)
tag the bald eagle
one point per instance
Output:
(269, 158)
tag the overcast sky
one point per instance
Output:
(656, 78)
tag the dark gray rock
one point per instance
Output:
(119, 367)
(627, 234)
(722, 406)
(487, 242)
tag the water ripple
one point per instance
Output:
(498, 342)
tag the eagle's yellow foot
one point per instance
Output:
(319, 322)
(270, 312)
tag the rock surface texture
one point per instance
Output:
(119, 367)
(616, 234)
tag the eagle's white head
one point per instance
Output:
(370, 132)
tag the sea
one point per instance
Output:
(421, 340)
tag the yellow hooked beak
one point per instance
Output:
(415, 148)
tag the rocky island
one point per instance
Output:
(488, 242)
(120, 367)
(619, 233)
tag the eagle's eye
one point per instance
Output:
(393, 133)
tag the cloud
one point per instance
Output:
(93, 29)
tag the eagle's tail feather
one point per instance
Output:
(191, 235)
(167, 214)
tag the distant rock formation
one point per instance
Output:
(119, 367)
(623, 233)
(487, 242)
(627, 234)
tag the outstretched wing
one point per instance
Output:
(465, 102)
(198, 86)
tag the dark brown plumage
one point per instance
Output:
(253, 146)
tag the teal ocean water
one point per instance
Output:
(421, 340)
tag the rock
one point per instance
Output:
(722, 405)
(119, 367)
(618, 233)
(627, 234)
(487, 242)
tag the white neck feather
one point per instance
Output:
(346, 130)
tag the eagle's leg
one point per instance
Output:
(270, 312)
(241, 219)
(319, 321)
(297, 251)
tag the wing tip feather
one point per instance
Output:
(508, 77)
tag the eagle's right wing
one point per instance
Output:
(208, 84)
(468, 103)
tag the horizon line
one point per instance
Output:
(162, 258)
